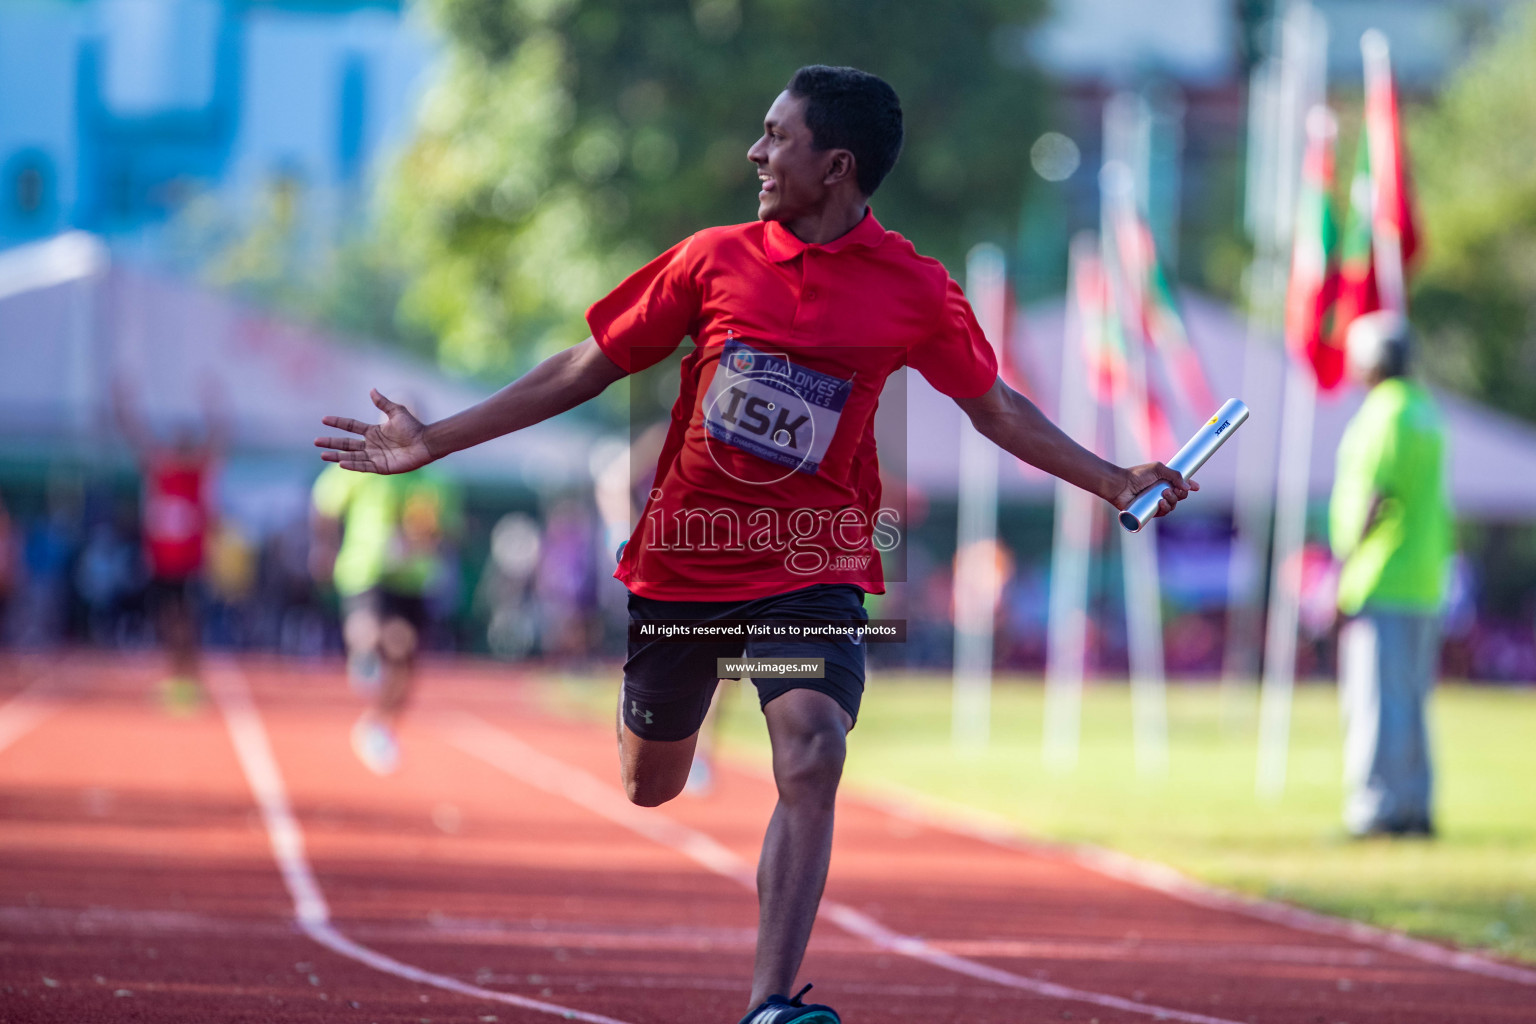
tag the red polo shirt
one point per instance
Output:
(768, 480)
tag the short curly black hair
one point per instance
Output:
(846, 108)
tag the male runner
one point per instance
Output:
(766, 500)
(176, 521)
(380, 541)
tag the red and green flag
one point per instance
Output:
(1156, 312)
(1102, 340)
(1164, 325)
(1106, 356)
(1381, 219)
(1392, 203)
(1314, 281)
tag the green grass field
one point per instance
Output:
(1474, 885)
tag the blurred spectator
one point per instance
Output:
(566, 584)
(7, 566)
(1390, 525)
(107, 573)
(505, 592)
(176, 521)
(383, 542)
(982, 571)
(1026, 600)
(292, 618)
(231, 579)
(48, 548)
(1318, 609)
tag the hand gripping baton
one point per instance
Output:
(1190, 458)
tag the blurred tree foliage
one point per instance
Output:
(567, 142)
(1474, 158)
(345, 279)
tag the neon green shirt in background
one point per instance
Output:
(1394, 448)
(392, 528)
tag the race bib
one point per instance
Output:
(763, 404)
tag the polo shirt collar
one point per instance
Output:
(781, 244)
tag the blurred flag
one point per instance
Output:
(1152, 304)
(1381, 223)
(1357, 277)
(1102, 344)
(1156, 437)
(1391, 200)
(1104, 353)
(1314, 280)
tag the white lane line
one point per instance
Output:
(996, 830)
(503, 750)
(27, 710)
(254, 751)
(576, 936)
(673, 982)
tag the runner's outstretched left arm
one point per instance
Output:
(1018, 427)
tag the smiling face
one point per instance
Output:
(793, 173)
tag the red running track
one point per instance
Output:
(239, 865)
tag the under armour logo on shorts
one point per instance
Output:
(634, 709)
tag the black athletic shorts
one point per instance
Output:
(388, 604)
(668, 684)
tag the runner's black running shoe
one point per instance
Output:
(778, 1010)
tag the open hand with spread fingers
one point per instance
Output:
(397, 445)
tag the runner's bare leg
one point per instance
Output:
(178, 629)
(809, 733)
(398, 644)
(654, 771)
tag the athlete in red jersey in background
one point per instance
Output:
(766, 502)
(176, 520)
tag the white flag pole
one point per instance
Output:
(1077, 415)
(1285, 578)
(1253, 502)
(1125, 127)
(977, 584)
(1304, 51)
(1143, 587)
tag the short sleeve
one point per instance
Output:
(956, 358)
(332, 491)
(640, 322)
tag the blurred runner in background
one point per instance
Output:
(380, 540)
(1390, 525)
(175, 521)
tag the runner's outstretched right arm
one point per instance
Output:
(403, 443)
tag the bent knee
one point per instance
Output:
(653, 771)
(652, 791)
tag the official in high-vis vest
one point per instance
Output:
(1390, 526)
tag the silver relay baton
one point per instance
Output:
(1232, 414)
